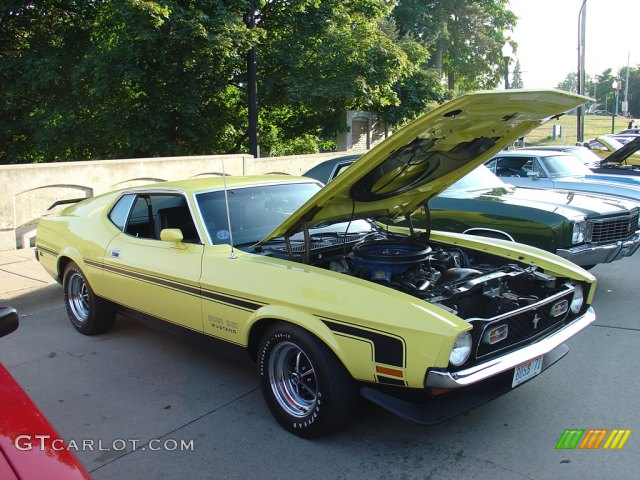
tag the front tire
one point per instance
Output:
(306, 387)
(89, 314)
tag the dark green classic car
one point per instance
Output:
(583, 228)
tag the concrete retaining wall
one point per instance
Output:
(28, 190)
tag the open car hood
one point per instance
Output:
(422, 159)
(624, 152)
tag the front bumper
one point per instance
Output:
(479, 384)
(595, 254)
(495, 366)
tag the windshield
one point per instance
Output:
(257, 211)
(480, 178)
(254, 211)
(564, 166)
(586, 156)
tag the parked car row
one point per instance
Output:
(569, 218)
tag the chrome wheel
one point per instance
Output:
(293, 379)
(89, 315)
(78, 297)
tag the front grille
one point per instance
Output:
(615, 228)
(523, 324)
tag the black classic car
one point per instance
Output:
(586, 229)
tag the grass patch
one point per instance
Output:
(594, 125)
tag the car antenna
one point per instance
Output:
(232, 255)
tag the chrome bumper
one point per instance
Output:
(495, 366)
(592, 255)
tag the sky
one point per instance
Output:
(547, 38)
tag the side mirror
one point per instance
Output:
(9, 320)
(173, 235)
(533, 175)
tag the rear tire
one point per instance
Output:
(89, 314)
(306, 387)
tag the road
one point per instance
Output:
(138, 387)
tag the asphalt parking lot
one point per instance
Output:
(194, 414)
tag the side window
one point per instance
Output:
(153, 213)
(491, 165)
(141, 219)
(120, 211)
(512, 166)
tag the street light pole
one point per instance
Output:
(506, 73)
(625, 110)
(507, 52)
(582, 24)
(615, 86)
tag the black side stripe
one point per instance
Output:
(40, 248)
(236, 301)
(194, 290)
(190, 289)
(387, 349)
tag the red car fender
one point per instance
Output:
(30, 447)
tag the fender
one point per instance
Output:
(71, 253)
(358, 361)
(303, 319)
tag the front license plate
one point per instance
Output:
(527, 370)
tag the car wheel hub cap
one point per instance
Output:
(78, 297)
(293, 379)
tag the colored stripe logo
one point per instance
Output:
(593, 439)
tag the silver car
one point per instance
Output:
(561, 171)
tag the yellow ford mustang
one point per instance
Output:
(328, 304)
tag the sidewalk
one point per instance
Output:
(20, 271)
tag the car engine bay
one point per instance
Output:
(467, 283)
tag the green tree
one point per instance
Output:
(132, 78)
(516, 81)
(119, 78)
(570, 83)
(466, 37)
(318, 59)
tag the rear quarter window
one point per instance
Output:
(120, 211)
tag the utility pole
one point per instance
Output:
(616, 89)
(252, 89)
(507, 52)
(582, 25)
(626, 86)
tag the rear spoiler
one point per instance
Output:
(65, 202)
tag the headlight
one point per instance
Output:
(461, 349)
(578, 299)
(579, 231)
